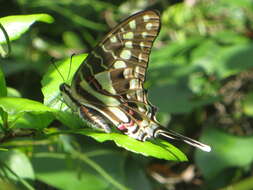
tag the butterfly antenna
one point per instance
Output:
(169, 134)
(55, 66)
(71, 58)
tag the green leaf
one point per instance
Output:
(16, 166)
(245, 184)
(247, 104)
(223, 61)
(3, 89)
(13, 105)
(135, 173)
(54, 169)
(170, 79)
(8, 185)
(18, 24)
(178, 98)
(12, 92)
(58, 179)
(171, 89)
(227, 37)
(24, 113)
(227, 151)
(156, 148)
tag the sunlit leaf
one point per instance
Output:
(25, 113)
(16, 25)
(156, 148)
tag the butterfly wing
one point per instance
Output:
(117, 65)
(108, 85)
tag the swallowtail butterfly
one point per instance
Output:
(107, 89)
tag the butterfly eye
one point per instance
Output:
(64, 88)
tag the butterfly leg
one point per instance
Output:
(94, 118)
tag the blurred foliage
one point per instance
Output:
(200, 77)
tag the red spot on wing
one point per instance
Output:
(124, 126)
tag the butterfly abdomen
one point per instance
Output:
(95, 119)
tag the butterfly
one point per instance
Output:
(107, 89)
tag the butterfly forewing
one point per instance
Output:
(117, 65)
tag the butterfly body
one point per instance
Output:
(107, 90)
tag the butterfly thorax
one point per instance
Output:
(68, 97)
